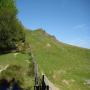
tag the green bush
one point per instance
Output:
(11, 30)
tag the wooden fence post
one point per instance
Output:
(47, 87)
(36, 87)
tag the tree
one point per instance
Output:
(11, 30)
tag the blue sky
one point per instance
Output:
(68, 20)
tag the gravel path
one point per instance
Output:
(51, 85)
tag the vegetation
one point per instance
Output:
(20, 67)
(68, 67)
(15, 61)
(11, 30)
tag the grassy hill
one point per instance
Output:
(68, 67)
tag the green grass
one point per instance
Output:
(68, 67)
(19, 59)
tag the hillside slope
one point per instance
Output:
(68, 67)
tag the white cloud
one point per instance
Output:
(81, 26)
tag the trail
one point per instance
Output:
(51, 85)
(2, 69)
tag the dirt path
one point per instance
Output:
(4, 68)
(51, 85)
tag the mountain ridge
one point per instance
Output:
(43, 32)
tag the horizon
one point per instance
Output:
(67, 20)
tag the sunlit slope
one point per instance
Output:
(68, 67)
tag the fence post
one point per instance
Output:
(47, 87)
(36, 87)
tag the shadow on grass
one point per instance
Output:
(6, 51)
(10, 85)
